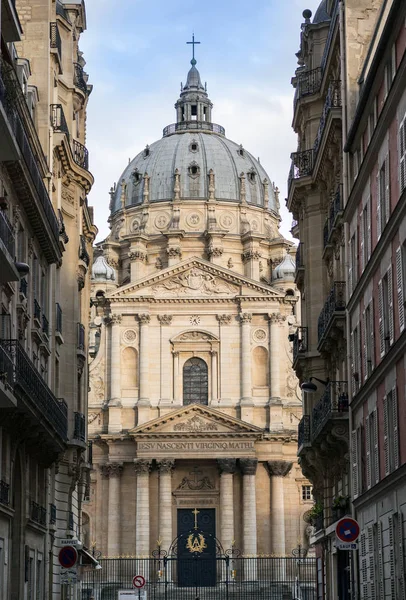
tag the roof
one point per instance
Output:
(321, 14)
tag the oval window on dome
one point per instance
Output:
(194, 146)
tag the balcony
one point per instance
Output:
(332, 317)
(55, 42)
(78, 78)
(308, 83)
(25, 162)
(193, 125)
(80, 155)
(4, 493)
(302, 165)
(8, 271)
(58, 121)
(45, 325)
(38, 514)
(79, 432)
(303, 431)
(318, 522)
(333, 100)
(39, 410)
(333, 406)
(23, 288)
(331, 229)
(37, 312)
(299, 273)
(300, 347)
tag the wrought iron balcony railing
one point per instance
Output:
(62, 229)
(302, 165)
(333, 100)
(52, 514)
(336, 209)
(78, 78)
(26, 378)
(83, 253)
(308, 83)
(58, 320)
(38, 513)
(303, 431)
(299, 342)
(81, 337)
(37, 311)
(55, 38)
(79, 432)
(335, 303)
(186, 125)
(7, 234)
(333, 402)
(4, 493)
(80, 155)
(23, 287)
(58, 121)
(6, 367)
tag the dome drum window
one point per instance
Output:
(194, 170)
(146, 151)
(136, 175)
(251, 176)
(194, 146)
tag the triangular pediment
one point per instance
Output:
(195, 277)
(196, 420)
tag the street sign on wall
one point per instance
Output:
(68, 557)
(347, 530)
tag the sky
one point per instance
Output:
(136, 57)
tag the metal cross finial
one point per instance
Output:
(193, 46)
(195, 512)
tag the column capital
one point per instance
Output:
(278, 468)
(142, 465)
(276, 318)
(245, 318)
(248, 466)
(165, 319)
(144, 319)
(165, 465)
(115, 319)
(137, 255)
(111, 470)
(227, 465)
(224, 319)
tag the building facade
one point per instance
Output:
(45, 252)
(193, 401)
(344, 192)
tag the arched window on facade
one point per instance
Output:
(195, 382)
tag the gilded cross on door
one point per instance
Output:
(195, 512)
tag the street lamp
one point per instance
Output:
(309, 387)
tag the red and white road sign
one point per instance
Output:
(138, 581)
(347, 530)
(68, 557)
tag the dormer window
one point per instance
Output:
(146, 151)
(194, 170)
(251, 176)
(194, 147)
(240, 150)
(136, 176)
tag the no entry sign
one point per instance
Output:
(138, 581)
(347, 530)
(68, 557)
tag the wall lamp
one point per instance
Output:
(309, 387)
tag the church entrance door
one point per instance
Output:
(196, 549)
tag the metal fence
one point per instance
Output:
(205, 578)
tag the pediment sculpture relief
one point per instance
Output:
(194, 281)
(196, 424)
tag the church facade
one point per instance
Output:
(193, 404)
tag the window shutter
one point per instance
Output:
(381, 324)
(381, 574)
(362, 240)
(351, 252)
(371, 564)
(364, 569)
(395, 428)
(401, 562)
(390, 306)
(354, 460)
(402, 155)
(387, 189)
(369, 235)
(378, 206)
(353, 382)
(375, 435)
(399, 287)
(368, 450)
(365, 345)
(385, 435)
(371, 335)
(392, 559)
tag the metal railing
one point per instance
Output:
(26, 378)
(52, 514)
(303, 431)
(333, 100)
(302, 165)
(7, 234)
(83, 253)
(187, 125)
(80, 154)
(318, 522)
(80, 337)
(37, 310)
(336, 208)
(299, 342)
(79, 432)
(58, 320)
(333, 401)
(62, 229)
(78, 78)
(55, 38)
(308, 83)
(4, 493)
(335, 303)
(6, 367)
(58, 121)
(23, 286)
(38, 513)
(45, 325)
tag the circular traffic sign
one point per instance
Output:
(138, 581)
(68, 557)
(347, 530)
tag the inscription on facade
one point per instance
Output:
(195, 446)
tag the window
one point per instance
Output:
(369, 342)
(193, 147)
(146, 151)
(372, 449)
(353, 267)
(39, 579)
(402, 154)
(400, 285)
(195, 382)
(194, 112)
(385, 300)
(306, 492)
(355, 359)
(251, 176)
(240, 150)
(365, 232)
(357, 458)
(383, 196)
(390, 431)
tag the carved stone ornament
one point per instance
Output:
(251, 255)
(224, 319)
(161, 221)
(174, 251)
(194, 336)
(194, 483)
(165, 319)
(116, 319)
(245, 318)
(248, 466)
(165, 465)
(129, 336)
(196, 424)
(92, 416)
(259, 335)
(137, 255)
(193, 219)
(227, 221)
(215, 251)
(277, 318)
(194, 281)
(112, 470)
(144, 319)
(227, 465)
(141, 465)
(158, 264)
(230, 263)
(278, 468)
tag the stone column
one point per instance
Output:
(165, 468)
(246, 384)
(115, 386)
(214, 394)
(138, 258)
(248, 468)
(227, 469)
(274, 354)
(113, 472)
(142, 468)
(176, 395)
(144, 359)
(165, 375)
(278, 469)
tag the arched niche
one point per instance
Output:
(129, 368)
(260, 367)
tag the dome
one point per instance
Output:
(321, 14)
(285, 271)
(187, 152)
(101, 270)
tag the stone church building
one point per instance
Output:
(193, 403)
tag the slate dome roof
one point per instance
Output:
(321, 14)
(286, 269)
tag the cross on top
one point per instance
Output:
(193, 46)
